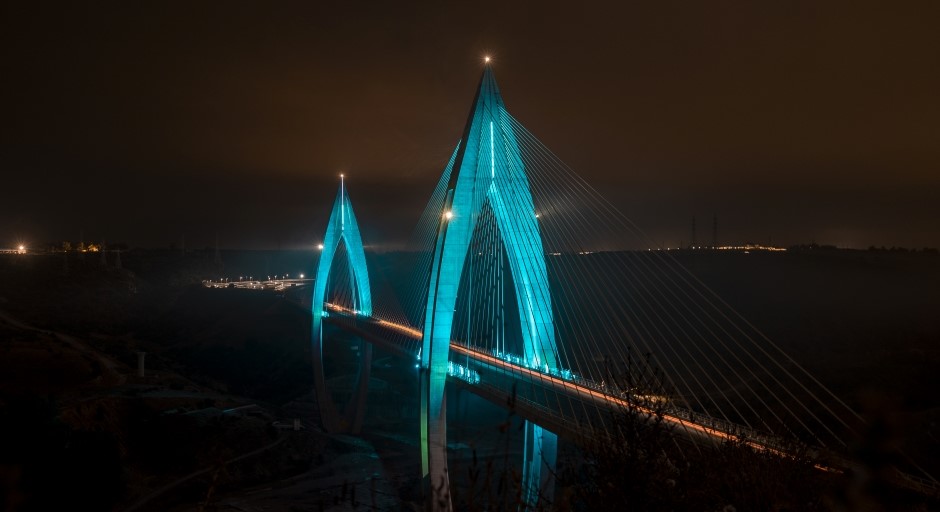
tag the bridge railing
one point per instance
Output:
(656, 403)
(625, 397)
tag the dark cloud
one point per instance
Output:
(143, 121)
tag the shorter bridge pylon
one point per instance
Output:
(342, 227)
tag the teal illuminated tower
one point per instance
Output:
(487, 169)
(342, 227)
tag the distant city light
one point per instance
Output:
(320, 246)
(22, 248)
(749, 247)
(448, 215)
(301, 276)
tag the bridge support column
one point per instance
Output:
(538, 465)
(434, 357)
(351, 418)
(436, 480)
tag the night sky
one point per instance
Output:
(142, 122)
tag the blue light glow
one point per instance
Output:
(506, 189)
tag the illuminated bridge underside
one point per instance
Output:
(581, 411)
(584, 410)
(487, 170)
(342, 227)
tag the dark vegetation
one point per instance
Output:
(76, 419)
(46, 464)
(645, 465)
(642, 466)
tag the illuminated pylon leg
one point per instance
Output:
(433, 376)
(342, 227)
(538, 470)
(488, 168)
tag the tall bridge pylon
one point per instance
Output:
(545, 353)
(487, 171)
(342, 228)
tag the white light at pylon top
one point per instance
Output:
(320, 246)
(486, 59)
(448, 215)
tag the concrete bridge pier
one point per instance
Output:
(538, 470)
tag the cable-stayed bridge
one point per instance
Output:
(525, 286)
